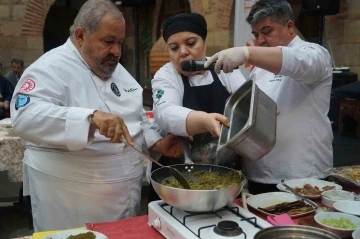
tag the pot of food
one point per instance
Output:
(211, 186)
(294, 232)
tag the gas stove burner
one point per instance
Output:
(228, 229)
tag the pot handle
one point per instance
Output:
(244, 196)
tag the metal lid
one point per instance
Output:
(294, 232)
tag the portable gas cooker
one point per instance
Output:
(231, 221)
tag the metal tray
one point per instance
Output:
(339, 173)
(252, 115)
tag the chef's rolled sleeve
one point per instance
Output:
(77, 128)
(308, 64)
(151, 132)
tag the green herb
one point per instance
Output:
(339, 223)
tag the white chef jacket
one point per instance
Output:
(55, 123)
(304, 136)
(168, 92)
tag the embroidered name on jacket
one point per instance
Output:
(276, 78)
(130, 90)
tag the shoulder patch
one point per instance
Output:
(21, 101)
(27, 86)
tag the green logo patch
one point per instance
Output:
(159, 94)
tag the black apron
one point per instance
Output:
(211, 99)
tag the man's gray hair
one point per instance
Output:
(277, 10)
(91, 13)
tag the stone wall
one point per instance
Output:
(22, 21)
(21, 26)
(342, 35)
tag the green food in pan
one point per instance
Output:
(204, 180)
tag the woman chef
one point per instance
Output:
(192, 103)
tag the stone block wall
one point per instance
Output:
(22, 22)
(342, 35)
(21, 26)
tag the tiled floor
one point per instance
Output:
(14, 222)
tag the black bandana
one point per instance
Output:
(185, 22)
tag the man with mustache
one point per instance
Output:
(297, 75)
(72, 107)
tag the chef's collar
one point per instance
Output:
(294, 41)
(71, 45)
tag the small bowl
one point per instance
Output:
(328, 198)
(336, 215)
(356, 234)
(349, 207)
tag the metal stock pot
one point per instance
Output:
(294, 232)
(195, 200)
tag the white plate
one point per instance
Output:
(269, 199)
(313, 182)
(356, 234)
(67, 233)
(349, 207)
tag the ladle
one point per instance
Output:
(177, 175)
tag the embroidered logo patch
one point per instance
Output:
(159, 94)
(28, 85)
(115, 89)
(22, 101)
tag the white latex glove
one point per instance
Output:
(229, 59)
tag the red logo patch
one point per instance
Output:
(28, 85)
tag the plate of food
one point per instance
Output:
(349, 174)
(277, 203)
(309, 187)
(76, 234)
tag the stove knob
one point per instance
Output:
(156, 223)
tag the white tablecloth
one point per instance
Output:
(12, 153)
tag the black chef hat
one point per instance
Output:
(185, 22)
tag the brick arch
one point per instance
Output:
(34, 18)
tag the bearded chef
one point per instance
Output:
(73, 105)
(297, 75)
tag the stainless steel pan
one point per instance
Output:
(195, 200)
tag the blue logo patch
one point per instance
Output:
(21, 101)
(115, 89)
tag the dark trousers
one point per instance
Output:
(2, 114)
(257, 188)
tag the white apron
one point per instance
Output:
(75, 192)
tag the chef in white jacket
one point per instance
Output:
(73, 105)
(298, 76)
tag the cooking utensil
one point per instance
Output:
(252, 115)
(314, 205)
(186, 150)
(294, 232)
(178, 176)
(195, 200)
(188, 160)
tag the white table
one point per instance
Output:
(11, 154)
